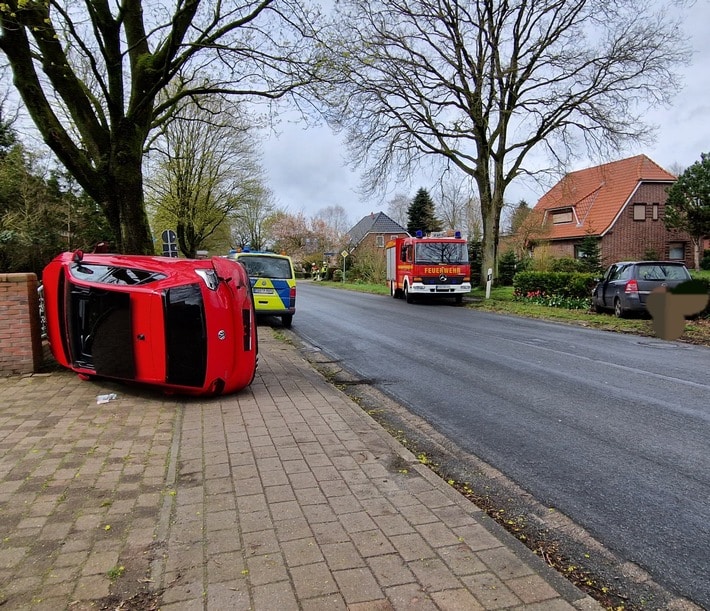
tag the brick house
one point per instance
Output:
(622, 203)
(373, 232)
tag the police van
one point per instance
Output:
(273, 283)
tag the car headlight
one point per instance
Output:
(209, 277)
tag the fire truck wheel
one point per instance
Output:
(407, 296)
(459, 299)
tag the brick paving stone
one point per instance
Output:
(312, 580)
(301, 551)
(390, 570)
(358, 585)
(343, 555)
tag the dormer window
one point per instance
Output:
(564, 215)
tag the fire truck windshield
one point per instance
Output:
(450, 253)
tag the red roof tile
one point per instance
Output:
(597, 195)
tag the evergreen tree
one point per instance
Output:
(517, 218)
(421, 216)
(688, 204)
(590, 254)
(507, 268)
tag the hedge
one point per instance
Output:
(564, 284)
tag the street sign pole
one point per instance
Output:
(345, 253)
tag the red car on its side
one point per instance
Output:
(185, 325)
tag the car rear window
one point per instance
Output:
(267, 267)
(663, 272)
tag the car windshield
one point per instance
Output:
(659, 271)
(107, 274)
(441, 252)
(267, 267)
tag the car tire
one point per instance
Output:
(619, 310)
(286, 320)
(458, 299)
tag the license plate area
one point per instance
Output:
(262, 291)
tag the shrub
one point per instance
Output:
(557, 289)
(705, 261)
(565, 264)
(507, 268)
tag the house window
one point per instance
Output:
(654, 212)
(676, 251)
(562, 216)
(639, 212)
(380, 241)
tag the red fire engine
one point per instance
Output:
(435, 266)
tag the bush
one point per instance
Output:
(705, 261)
(507, 268)
(573, 285)
(566, 264)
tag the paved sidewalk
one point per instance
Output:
(283, 496)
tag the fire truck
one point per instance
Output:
(433, 266)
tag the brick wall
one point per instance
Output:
(631, 239)
(20, 333)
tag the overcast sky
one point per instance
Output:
(307, 170)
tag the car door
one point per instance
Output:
(609, 285)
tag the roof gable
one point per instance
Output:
(597, 195)
(374, 223)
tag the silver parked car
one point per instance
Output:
(626, 284)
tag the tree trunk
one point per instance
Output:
(126, 170)
(697, 251)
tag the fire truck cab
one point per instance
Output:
(436, 265)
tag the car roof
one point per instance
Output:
(649, 263)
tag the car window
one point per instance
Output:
(675, 272)
(267, 267)
(626, 272)
(660, 272)
(617, 272)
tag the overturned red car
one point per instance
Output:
(185, 325)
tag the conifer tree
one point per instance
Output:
(421, 215)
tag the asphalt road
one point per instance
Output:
(611, 429)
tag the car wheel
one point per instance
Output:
(619, 311)
(458, 299)
(286, 320)
(407, 296)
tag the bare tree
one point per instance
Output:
(90, 74)
(481, 84)
(336, 218)
(459, 208)
(398, 207)
(251, 222)
(205, 167)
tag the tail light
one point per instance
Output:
(292, 295)
(631, 287)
